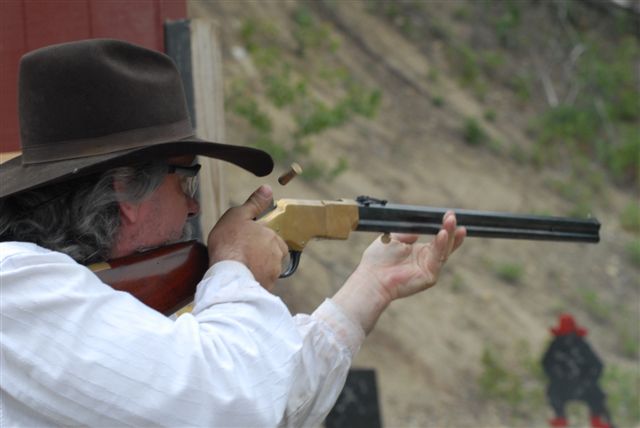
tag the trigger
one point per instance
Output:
(294, 260)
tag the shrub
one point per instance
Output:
(438, 101)
(277, 152)
(340, 167)
(310, 34)
(248, 108)
(510, 272)
(474, 134)
(633, 251)
(623, 389)
(623, 159)
(490, 115)
(497, 382)
(630, 217)
(282, 91)
(595, 306)
(568, 124)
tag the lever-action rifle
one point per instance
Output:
(167, 277)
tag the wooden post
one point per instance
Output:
(193, 44)
(208, 89)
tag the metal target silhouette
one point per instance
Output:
(573, 370)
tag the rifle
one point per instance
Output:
(166, 278)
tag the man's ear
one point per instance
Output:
(128, 210)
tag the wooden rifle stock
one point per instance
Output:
(164, 278)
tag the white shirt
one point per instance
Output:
(76, 352)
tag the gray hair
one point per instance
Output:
(79, 218)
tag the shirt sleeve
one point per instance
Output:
(76, 352)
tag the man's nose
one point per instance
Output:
(193, 206)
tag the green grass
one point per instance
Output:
(362, 101)
(622, 387)
(257, 34)
(492, 63)
(577, 193)
(498, 382)
(522, 85)
(602, 122)
(599, 121)
(490, 115)
(458, 284)
(266, 143)
(282, 90)
(623, 159)
(633, 252)
(515, 380)
(248, 108)
(310, 34)
(467, 63)
(317, 116)
(313, 171)
(519, 154)
(630, 217)
(338, 169)
(286, 85)
(506, 25)
(474, 133)
(568, 125)
(629, 339)
(595, 306)
(511, 273)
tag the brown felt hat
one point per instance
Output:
(91, 105)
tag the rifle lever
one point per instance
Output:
(368, 200)
(294, 260)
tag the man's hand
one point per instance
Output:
(238, 237)
(403, 267)
(397, 269)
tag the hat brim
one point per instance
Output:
(16, 177)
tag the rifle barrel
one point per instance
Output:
(427, 220)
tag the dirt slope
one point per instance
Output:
(428, 350)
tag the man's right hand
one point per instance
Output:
(237, 236)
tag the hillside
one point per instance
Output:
(445, 103)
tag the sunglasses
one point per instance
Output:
(188, 177)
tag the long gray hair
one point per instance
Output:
(79, 218)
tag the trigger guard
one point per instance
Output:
(294, 260)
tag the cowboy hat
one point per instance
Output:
(567, 325)
(90, 105)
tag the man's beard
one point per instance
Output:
(186, 235)
(187, 232)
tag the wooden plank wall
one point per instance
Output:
(30, 24)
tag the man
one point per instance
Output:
(107, 170)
